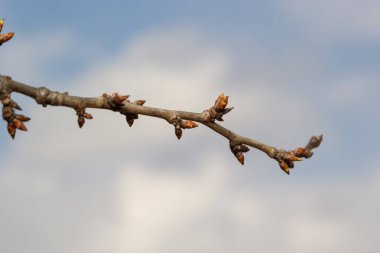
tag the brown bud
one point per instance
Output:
(178, 132)
(284, 166)
(244, 148)
(294, 158)
(11, 130)
(16, 106)
(239, 155)
(188, 124)
(119, 99)
(19, 125)
(130, 119)
(290, 164)
(80, 121)
(87, 116)
(5, 37)
(139, 102)
(22, 117)
(221, 103)
(227, 110)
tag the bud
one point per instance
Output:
(284, 166)
(119, 99)
(293, 158)
(139, 102)
(87, 116)
(290, 164)
(15, 106)
(19, 125)
(221, 103)
(5, 37)
(227, 110)
(178, 132)
(239, 155)
(11, 130)
(188, 124)
(130, 119)
(22, 117)
(80, 121)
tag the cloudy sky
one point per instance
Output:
(292, 69)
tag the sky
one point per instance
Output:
(292, 69)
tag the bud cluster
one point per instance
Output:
(180, 124)
(219, 109)
(14, 121)
(238, 151)
(131, 117)
(115, 101)
(286, 159)
(82, 116)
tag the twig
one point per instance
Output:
(120, 103)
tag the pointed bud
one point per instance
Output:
(227, 110)
(221, 103)
(130, 119)
(22, 117)
(87, 116)
(119, 99)
(188, 124)
(139, 102)
(80, 121)
(16, 106)
(178, 132)
(11, 130)
(19, 125)
(239, 155)
(294, 158)
(5, 37)
(284, 166)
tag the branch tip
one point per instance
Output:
(286, 159)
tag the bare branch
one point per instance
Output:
(120, 103)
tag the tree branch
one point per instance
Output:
(120, 103)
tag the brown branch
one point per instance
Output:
(120, 103)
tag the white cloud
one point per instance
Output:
(28, 56)
(70, 190)
(205, 210)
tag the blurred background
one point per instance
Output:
(292, 69)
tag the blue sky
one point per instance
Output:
(292, 69)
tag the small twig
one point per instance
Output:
(120, 103)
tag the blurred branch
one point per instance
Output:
(131, 110)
